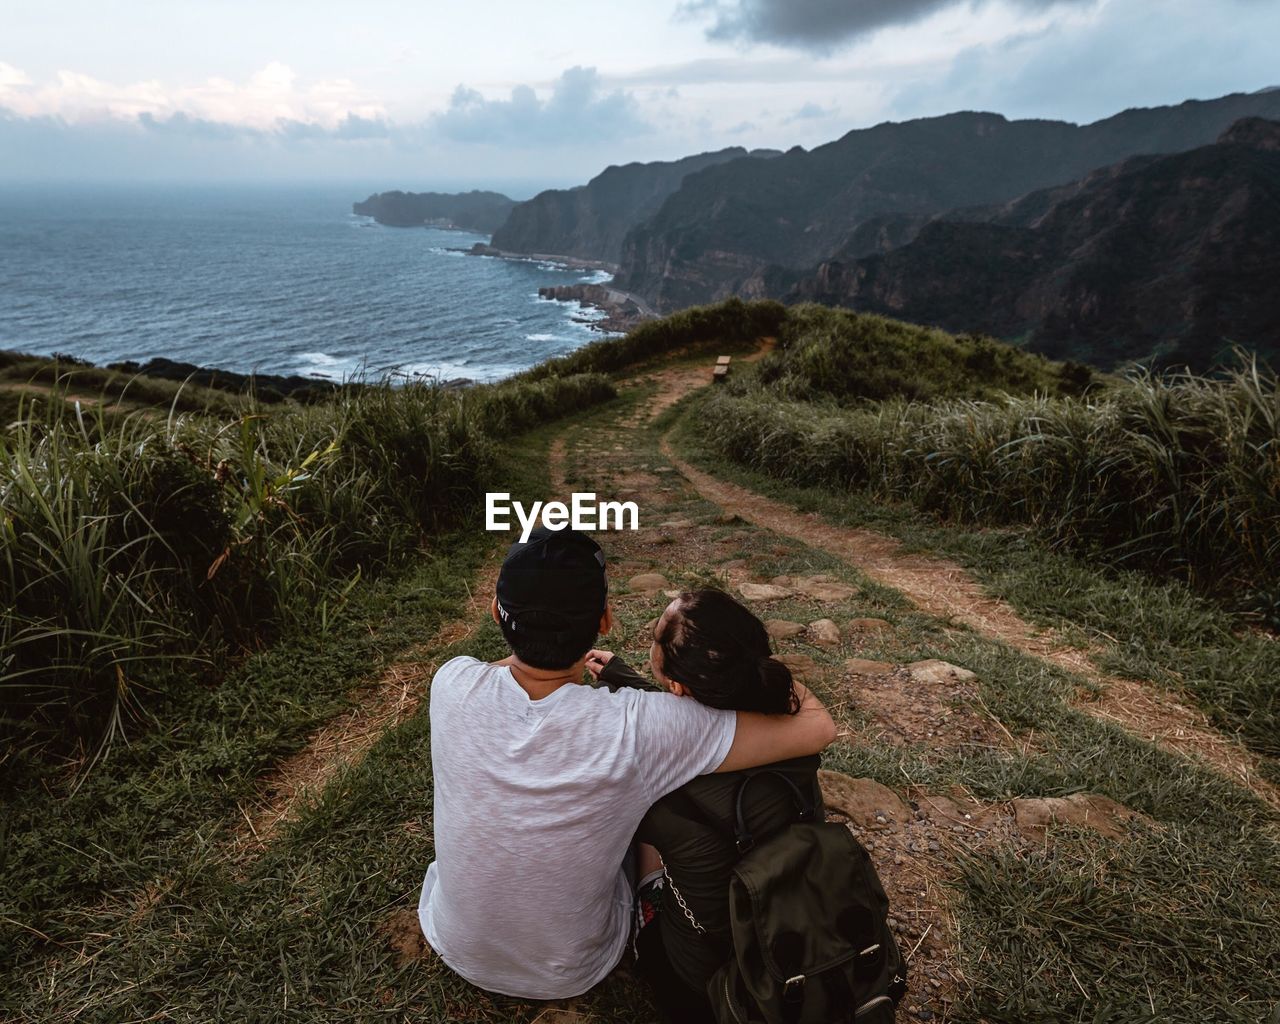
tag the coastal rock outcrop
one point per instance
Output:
(477, 211)
(622, 312)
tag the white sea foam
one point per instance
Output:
(597, 277)
(443, 371)
(541, 337)
(321, 364)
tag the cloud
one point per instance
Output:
(577, 109)
(742, 128)
(11, 78)
(185, 126)
(810, 112)
(268, 97)
(818, 25)
(353, 126)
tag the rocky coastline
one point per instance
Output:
(623, 311)
(572, 262)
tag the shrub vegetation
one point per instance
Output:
(140, 549)
(847, 357)
(1176, 474)
(729, 322)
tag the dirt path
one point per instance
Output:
(345, 740)
(946, 590)
(914, 835)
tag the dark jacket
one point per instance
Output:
(693, 829)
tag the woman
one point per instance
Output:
(709, 648)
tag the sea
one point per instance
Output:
(270, 279)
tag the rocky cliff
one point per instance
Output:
(482, 212)
(872, 189)
(590, 221)
(1175, 257)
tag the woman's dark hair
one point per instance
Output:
(719, 651)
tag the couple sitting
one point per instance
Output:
(575, 822)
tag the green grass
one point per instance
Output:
(1179, 476)
(143, 550)
(142, 912)
(1159, 630)
(65, 376)
(297, 933)
(851, 358)
(727, 323)
(175, 789)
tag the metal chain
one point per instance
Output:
(685, 907)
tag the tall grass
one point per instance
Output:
(724, 323)
(137, 547)
(849, 357)
(1174, 474)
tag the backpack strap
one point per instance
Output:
(741, 833)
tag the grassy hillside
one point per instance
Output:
(850, 358)
(345, 543)
(152, 531)
(1173, 474)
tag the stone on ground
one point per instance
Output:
(823, 589)
(935, 671)
(862, 801)
(648, 583)
(824, 632)
(782, 629)
(1035, 814)
(763, 592)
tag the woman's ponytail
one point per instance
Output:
(719, 651)
(777, 688)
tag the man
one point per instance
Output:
(540, 781)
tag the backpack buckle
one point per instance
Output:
(793, 989)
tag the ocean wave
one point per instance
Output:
(443, 370)
(321, 364)
(597, 277)
(404, 302)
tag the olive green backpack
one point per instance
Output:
(809, 920)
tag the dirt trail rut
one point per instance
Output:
(346, 739)
(946, 590)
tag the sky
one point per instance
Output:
(517, 95)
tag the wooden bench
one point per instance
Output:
(721, 372)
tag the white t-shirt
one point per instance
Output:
(536, 804)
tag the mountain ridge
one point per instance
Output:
(715, 235)
(590, 221)
(1171, 257)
